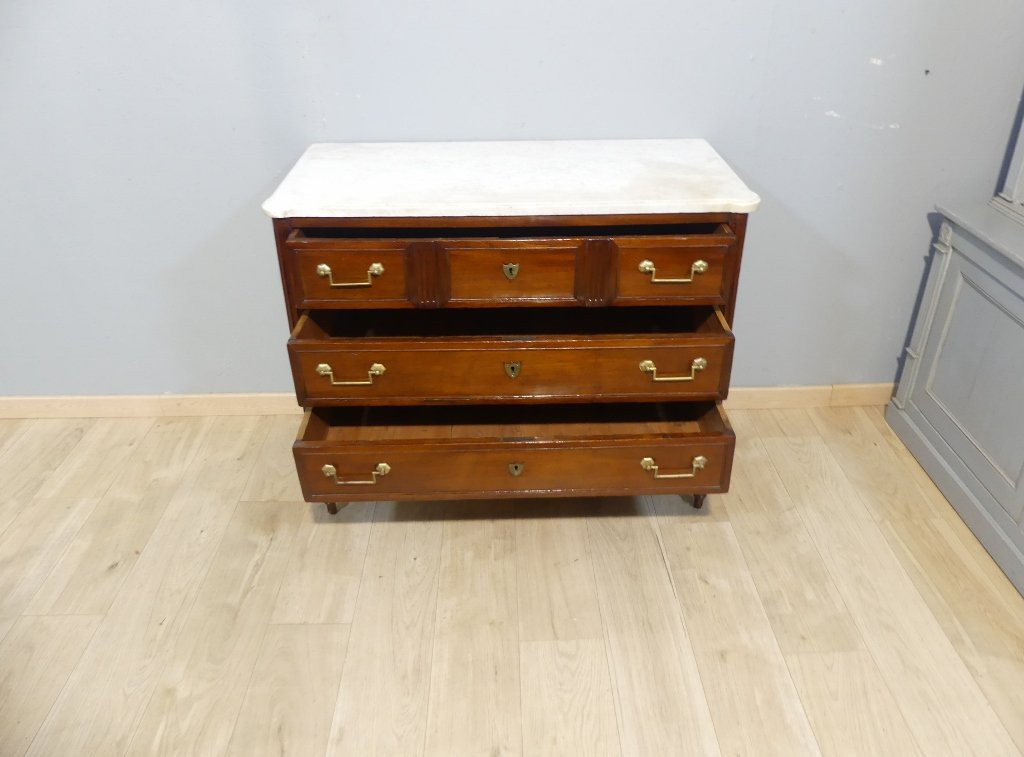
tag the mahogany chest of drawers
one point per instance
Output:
(511, 319)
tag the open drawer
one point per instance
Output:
(529, 355)
(346, 454)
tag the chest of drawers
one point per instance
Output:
(511, 319)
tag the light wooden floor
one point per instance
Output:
(163, 589)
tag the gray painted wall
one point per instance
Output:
(138, 139)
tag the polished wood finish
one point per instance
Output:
(497, 312)
(428, 275)
(738, 224)
(483, 222)
(504, 452)
(620, 625)
(544, 271)
(350, 263)
(596, 280)
(430, 364)
(674, 258)
(579, 261)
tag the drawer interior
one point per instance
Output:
(519, 423)
(442, 323)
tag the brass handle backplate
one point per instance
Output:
(377, 369)
(324, 271)
(698, 463)
(698, 267)
(382, 469)
(698, 365)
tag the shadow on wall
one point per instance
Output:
(1010, 144)
(934, 223)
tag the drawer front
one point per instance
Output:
(382, 471)
(513, 272)
(672, 269)
(630, 369)
(402, 273)
(359, 275)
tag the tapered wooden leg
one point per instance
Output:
(332, 508)
(698, 501)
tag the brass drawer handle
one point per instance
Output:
(698, 267)
(699, 462)
(698, 365)
(377, 369)
(331, 472)
(324, 271)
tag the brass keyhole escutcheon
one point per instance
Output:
(511, 270)
(512, 368)
(516, 469)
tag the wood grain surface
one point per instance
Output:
(789, 614)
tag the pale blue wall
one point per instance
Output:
(138, 139)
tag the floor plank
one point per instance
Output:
(290, 700)
(940, 701)
(382, 700)
(38, 536)
(751, 696)
(987, 631)
(9, 429)
(742, 422)
(322, 579)
(33, 452)
(798, 594)
(5, 626)
(659, 699)
(107, 545)
(36, 658)
(868, 462)
(557, 597)
(474, 705)
(567, 699)
(850, 707)
(200, 691)
(782, 422)
(217, 605)
(100, 707)
(273, 477)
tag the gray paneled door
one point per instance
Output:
(959, 406)
(971, 383)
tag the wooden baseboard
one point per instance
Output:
(834, 395)
(853, 395)
(765, 397)
(148, 405)
(160, 405)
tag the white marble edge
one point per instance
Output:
(525, 178)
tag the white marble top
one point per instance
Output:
(445, 179)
